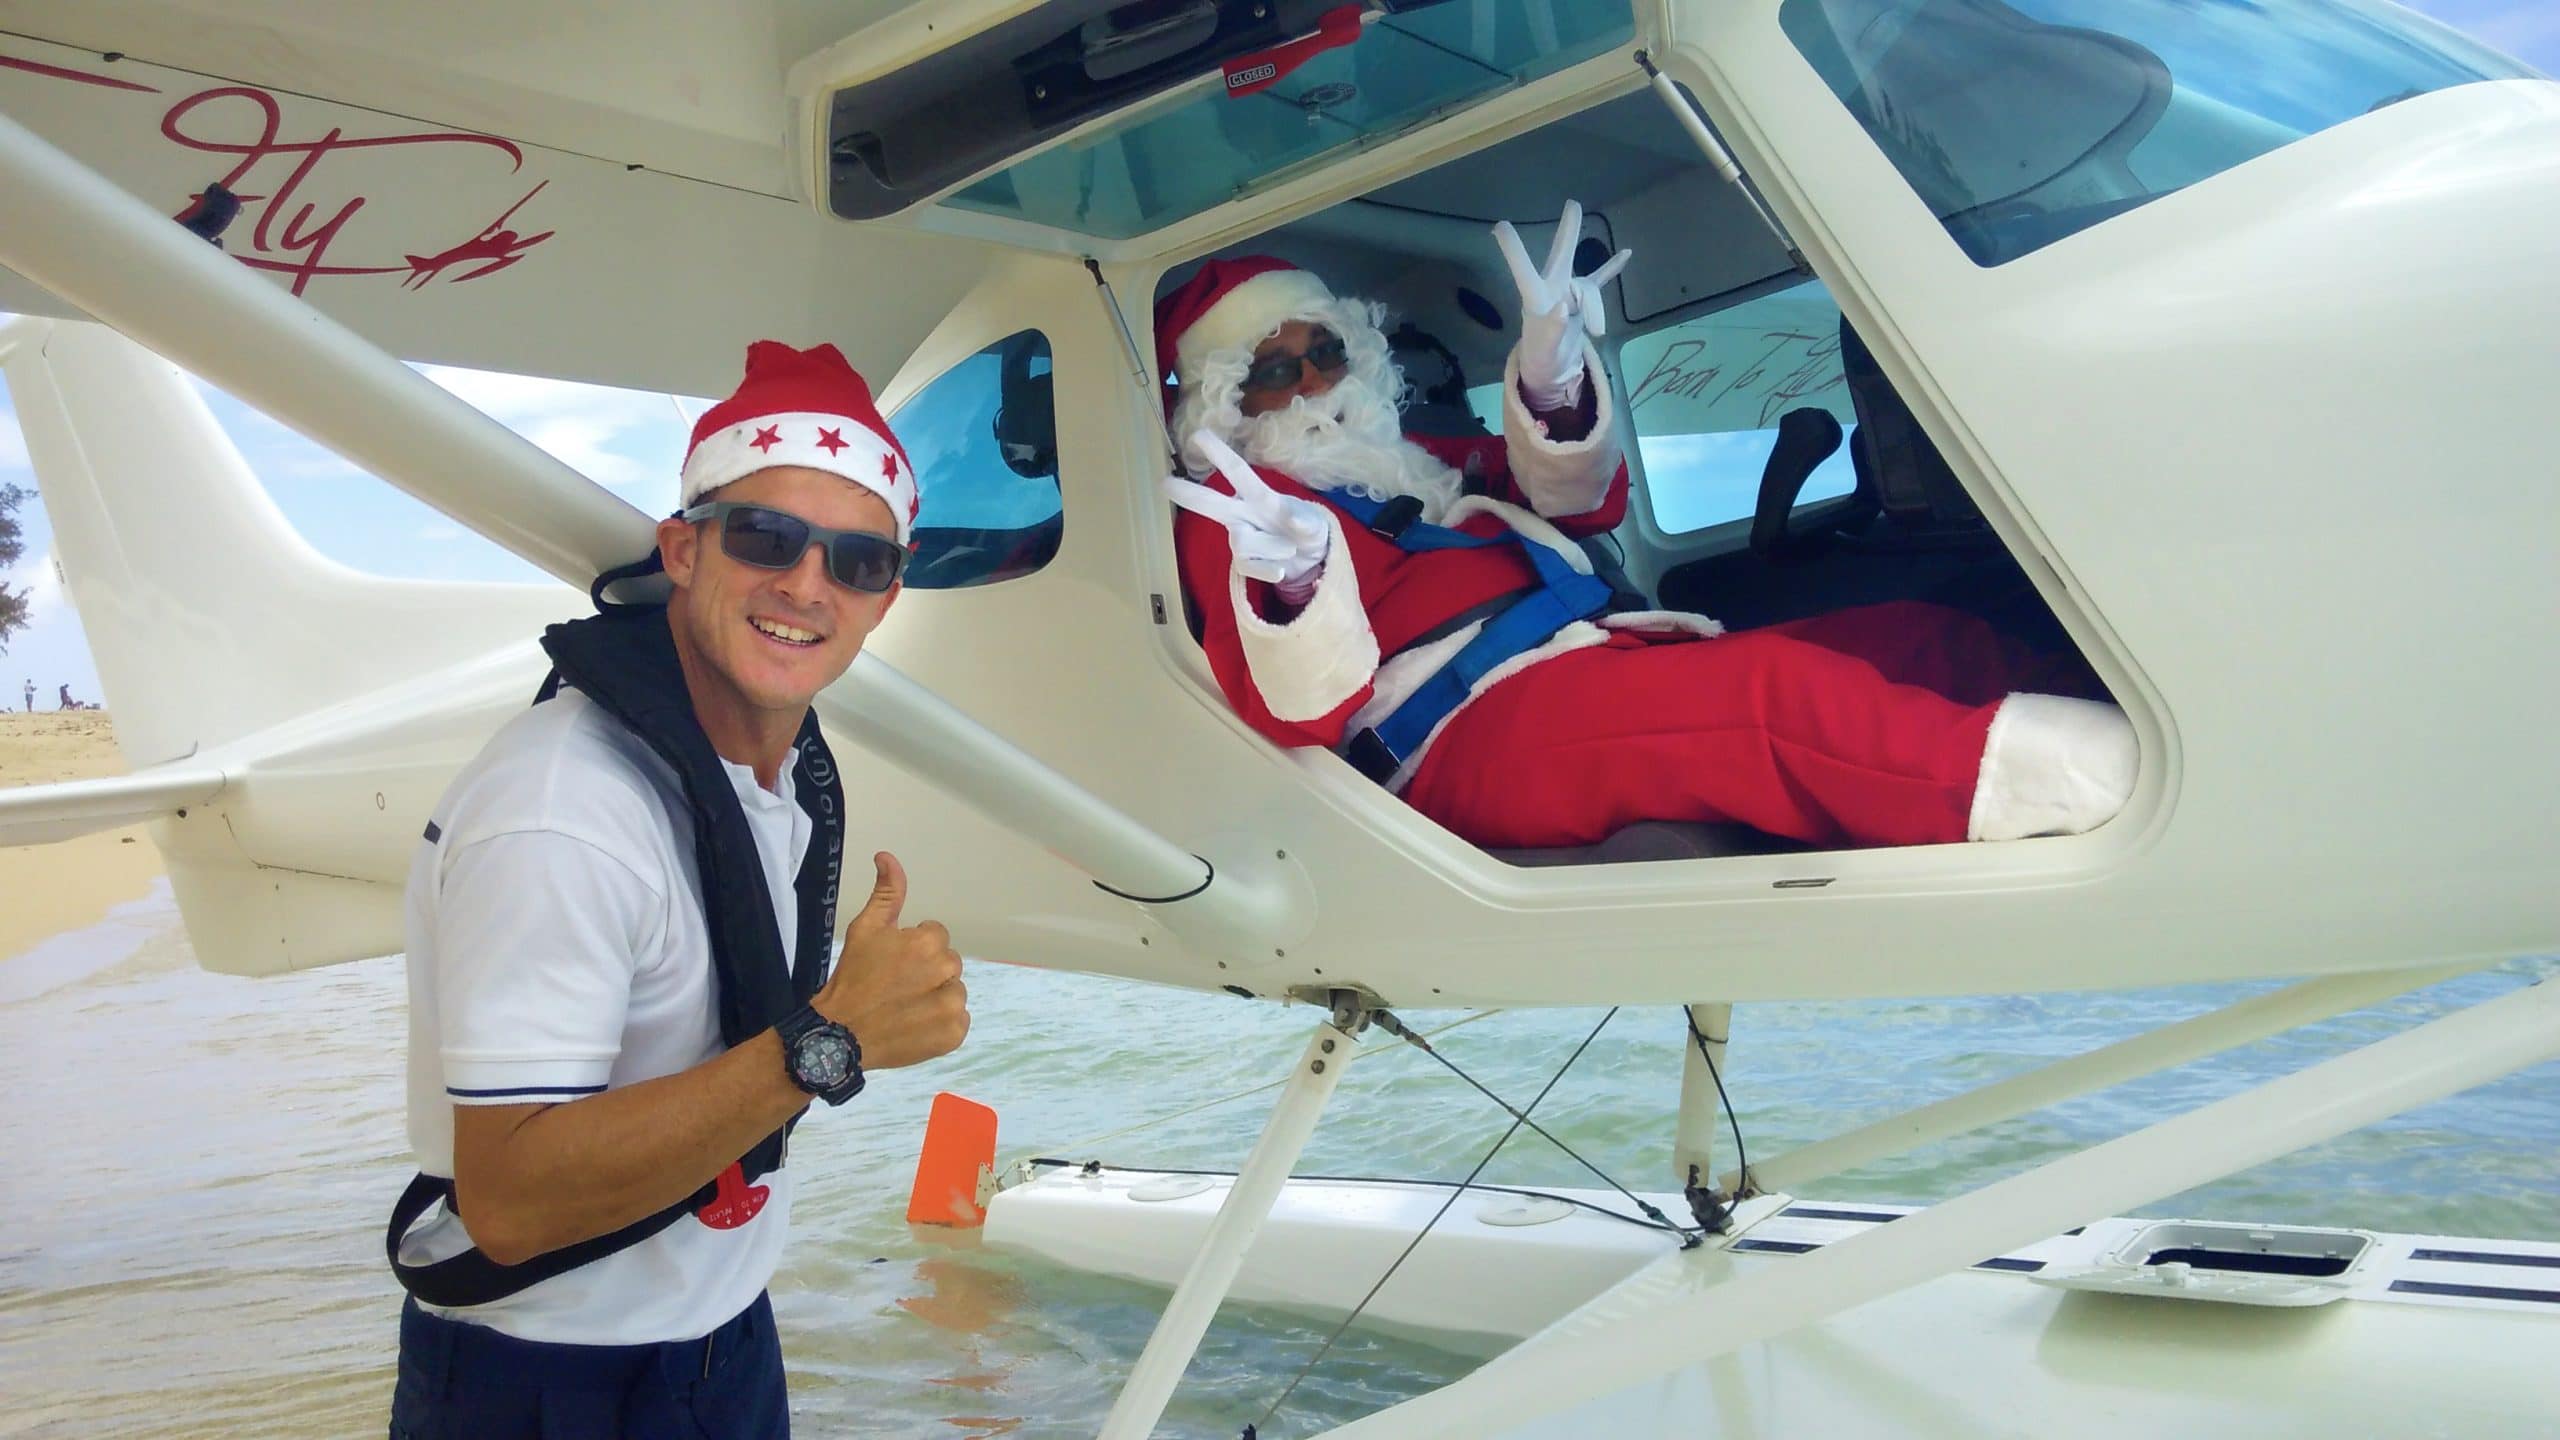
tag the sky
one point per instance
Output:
(628, 441)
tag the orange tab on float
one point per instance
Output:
(959, 1158)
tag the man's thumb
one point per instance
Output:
(888, 893)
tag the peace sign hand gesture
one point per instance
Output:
(1557, 309)
(1275, 537)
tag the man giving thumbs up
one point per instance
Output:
(897, 990)
(624, 978)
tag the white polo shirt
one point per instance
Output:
(558, 949)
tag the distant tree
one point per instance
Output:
(13, 604)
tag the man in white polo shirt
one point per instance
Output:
(620, 923)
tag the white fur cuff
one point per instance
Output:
(1676, 621)
(2052, 766)
(1305, 669)
(1561, 477)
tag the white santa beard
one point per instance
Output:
(1351, 437)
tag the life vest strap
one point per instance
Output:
(1563, 595)
(472, 1278)
(624, 661)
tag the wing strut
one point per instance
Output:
(1249, 1200)
(1688, 1309)
(79, 235)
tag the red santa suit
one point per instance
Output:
(1890, 724)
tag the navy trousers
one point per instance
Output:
(468, 1382)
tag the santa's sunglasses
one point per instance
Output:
(772, 539)
(1325, 351)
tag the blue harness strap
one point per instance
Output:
(1564, 595)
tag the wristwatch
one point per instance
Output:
(821, 1056)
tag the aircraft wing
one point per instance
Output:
(603, 194)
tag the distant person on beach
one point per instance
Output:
(31, 695)
(62, 697)
(620, 924)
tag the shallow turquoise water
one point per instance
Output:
(200, 1166)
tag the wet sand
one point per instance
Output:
(48, 889)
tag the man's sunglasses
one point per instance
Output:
(776, 539)
(1278, 372)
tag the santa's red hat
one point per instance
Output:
(1232, 305)
(805, 408)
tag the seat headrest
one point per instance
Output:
(1911, 480)
(1436, 403)
(1026, 423)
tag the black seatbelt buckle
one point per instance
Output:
(1371, 757)
(1395, 517)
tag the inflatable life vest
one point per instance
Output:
(625, 661)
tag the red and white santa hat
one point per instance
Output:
(805, 408)
(1232, 305)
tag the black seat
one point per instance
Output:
(1924, 505)
(1026, 423)
(1895, 457)
(1657, 840)
(1436, 394)
(1907, 499)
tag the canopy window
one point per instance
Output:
(1178, 148)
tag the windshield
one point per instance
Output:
(2022, 123)
(1160, 165)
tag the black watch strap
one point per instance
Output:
(804, 1031)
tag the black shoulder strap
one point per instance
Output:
(625, 661)
(472, 1278)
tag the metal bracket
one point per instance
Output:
(1351, 1006)
(1351, 1009)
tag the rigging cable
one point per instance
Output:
(1088, 1143)
(1519, 1118)
(1388, 1022)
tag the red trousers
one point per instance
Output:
(1862, 727)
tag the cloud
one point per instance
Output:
(275, 450)
(13, 441)
(622, 439)
(626, 440)
(40, 580)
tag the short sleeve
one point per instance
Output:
(538, 935)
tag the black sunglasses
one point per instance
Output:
(776, 539)
(1278, 372)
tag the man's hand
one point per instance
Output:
(1275, 537)
(1557, 309)
(898, 989)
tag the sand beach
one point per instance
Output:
(48, 889)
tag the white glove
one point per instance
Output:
(1275, 537)
(1557, 309)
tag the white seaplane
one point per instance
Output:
(2219, 333)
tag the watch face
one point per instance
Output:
(823, 1059)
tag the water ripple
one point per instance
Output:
(194, 1214)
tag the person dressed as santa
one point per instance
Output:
(1420, 606)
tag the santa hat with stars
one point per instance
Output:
(805, 408)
